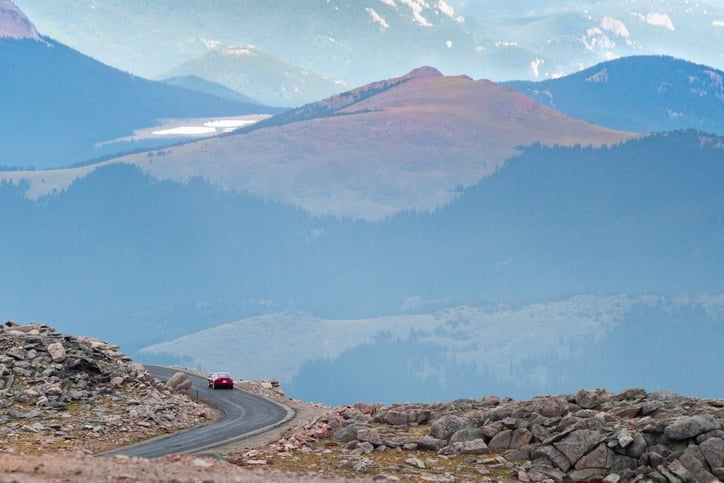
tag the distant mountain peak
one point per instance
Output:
(14, 24)
(423, 72)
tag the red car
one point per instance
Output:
(219, 380)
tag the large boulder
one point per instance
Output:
(600, 457)
(446, 426)
(552, 455)
(588, 399)
(348, 433)
(713, 451)
(428, 443)
(369, 435)
(467, 434)
(501, 441)
(549, 407)
(687, 427)
(56, 351)
(579, 443)
(694, 461)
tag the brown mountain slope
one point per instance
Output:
(405, 143)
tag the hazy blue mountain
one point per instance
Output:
(470, 351)
(260, 75)
(57, 104)
(643, 93)
(140, 261)
(198, 84)
(361, 41)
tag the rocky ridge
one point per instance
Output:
(59, 392)
(592, 435)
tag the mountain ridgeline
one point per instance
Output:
(641, 93)
(642, 217)
(72, 103)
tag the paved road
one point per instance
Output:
(245, 414)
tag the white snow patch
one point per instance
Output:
(596, 39)
(240, 52)
(557, 75)
(718, 23)
(391, 3)
(416, 6)
(535, 65)
(226, 123)
(210, 44)
(657, 19)
(378, 18)
(447, 9)
(505, 43)
(449, 44)
(185, 131)
(617, 27)
(598, 77)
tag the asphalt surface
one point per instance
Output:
(245, 415)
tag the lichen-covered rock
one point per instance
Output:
(446, 426)
(687, 427)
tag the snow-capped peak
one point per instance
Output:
(14, 24)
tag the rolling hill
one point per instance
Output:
(57, 104)
(644, 94)
(408, 143)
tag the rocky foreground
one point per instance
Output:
(65, 393)
(592, 435)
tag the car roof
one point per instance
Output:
(221, 374)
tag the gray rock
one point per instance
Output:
(612, 479)
(719, 473)
(490, 430)
(694, 461)
(578, 443)
(415, 462)
(366, 447)
(588, 399)
(16, 353)
(346, 434)
(467, 434)
(501, 441)
(624, 438)
(521, 437)
(553, 455)
(548, 407)
(523, 453)
(370, 435)
(713, 451)
(637, 447)
(587, 474)
(428, 443)
(476, 446)
(687, 427)
(446, 426)
(600, 457)
(56, 351)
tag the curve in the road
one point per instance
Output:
(244, 415)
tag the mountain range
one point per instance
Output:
(642, 94)
(58, 104)
(408, 143)
(263, 76)
(362, 41)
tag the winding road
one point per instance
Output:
(245, 415)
